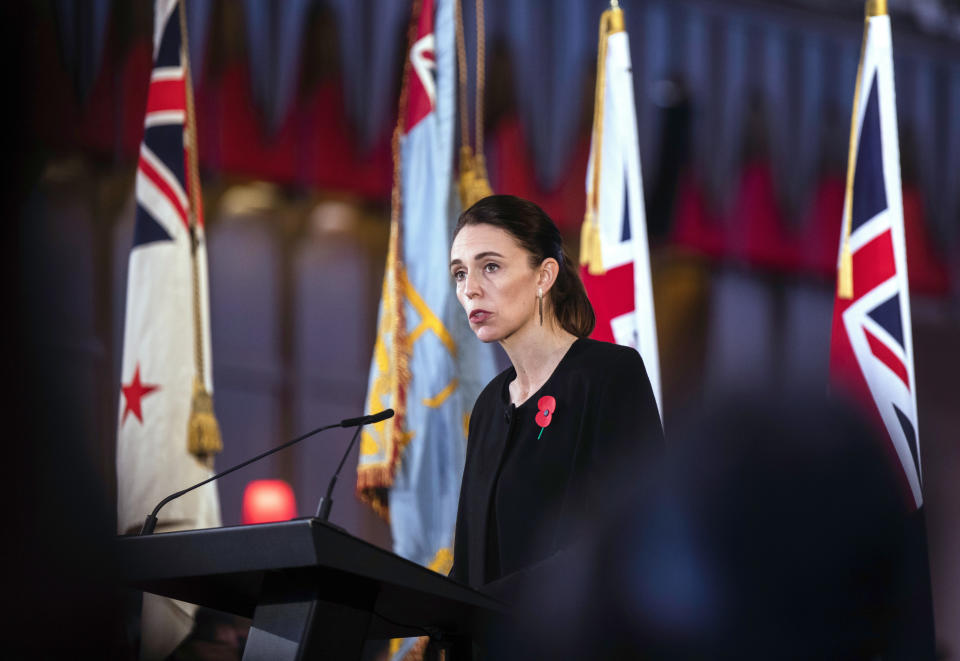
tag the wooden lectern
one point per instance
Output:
(312, 590)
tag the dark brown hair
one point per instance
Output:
(533, 230)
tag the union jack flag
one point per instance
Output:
(162, 185)
(615, 257)
(871, 353)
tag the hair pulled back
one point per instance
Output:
(533, 230)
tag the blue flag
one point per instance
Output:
(427, 364)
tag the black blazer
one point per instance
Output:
(521, 489)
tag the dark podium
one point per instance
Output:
(312, 590)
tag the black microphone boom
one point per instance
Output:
(367, 419)
(151, 521)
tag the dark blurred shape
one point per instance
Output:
(60, 596)
(773, 530)
(676, 109)
(216, 636)
(82, 30)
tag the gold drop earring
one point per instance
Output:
(540, 303)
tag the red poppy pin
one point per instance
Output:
(545, 408)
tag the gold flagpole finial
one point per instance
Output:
(876, 8)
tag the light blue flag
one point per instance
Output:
(427, 364)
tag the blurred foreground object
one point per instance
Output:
(773, 530)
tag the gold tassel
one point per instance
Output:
(586, 240)
(591, 253)
(203, 433)
(845, 275)
(474, 185)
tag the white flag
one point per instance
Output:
(615, 258)
(159, 342)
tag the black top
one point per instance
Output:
(520, 492)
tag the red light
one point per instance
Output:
(268, 500)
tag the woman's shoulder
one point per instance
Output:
(605, 362)
(605, 355)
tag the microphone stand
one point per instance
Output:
(151, 521)
(326, 502)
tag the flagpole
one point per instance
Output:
(203, 432)
(845, 273)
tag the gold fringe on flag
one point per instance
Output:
(473, 184)
(203, 432)
(374, 480)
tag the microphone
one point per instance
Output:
(326, 503)
(367, 419)
(151, 521)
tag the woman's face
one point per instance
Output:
(495, 283)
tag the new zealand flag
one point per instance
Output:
(159, 364)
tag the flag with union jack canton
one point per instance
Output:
(871, 349)
(614, 255)
(159, 361)
(159, 365)
(871, 352)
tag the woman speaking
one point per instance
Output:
(544, 432)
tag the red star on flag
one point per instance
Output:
(133, 393)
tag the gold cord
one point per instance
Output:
(395, 264)
(481, 56)
(203, 432)
(473, 184)
(194, 184)
(462, 76)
